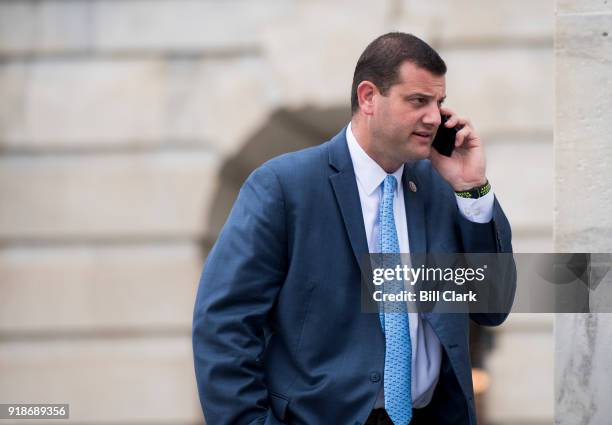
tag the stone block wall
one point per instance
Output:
(583, 199)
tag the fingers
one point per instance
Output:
(465, 131)
(452, 116)
(446, 111)
(462, 135)
(454, 120)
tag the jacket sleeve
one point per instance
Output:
(238, 288)
(493, 237)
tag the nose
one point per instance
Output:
(432, 116)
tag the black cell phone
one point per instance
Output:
(444, 142)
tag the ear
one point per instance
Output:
(366, 92)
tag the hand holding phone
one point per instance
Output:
(463, 171)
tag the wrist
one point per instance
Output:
(475, 192)
(465, 186)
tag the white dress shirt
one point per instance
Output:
(426, 348)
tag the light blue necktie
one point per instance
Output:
(394, 319)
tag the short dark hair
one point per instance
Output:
(380, 61)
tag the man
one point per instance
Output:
(279, 333)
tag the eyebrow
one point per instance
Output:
(428, 96)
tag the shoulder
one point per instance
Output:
(298, 162)
(294, 168)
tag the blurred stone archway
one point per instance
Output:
(286, 130)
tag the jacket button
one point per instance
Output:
(374, 376)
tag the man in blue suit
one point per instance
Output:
(279, 333)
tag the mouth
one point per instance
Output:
(423, 135)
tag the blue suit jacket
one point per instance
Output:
(279, 335)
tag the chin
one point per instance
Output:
(419, 154)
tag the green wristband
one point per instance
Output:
(475, 192)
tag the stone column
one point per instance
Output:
(583, 200)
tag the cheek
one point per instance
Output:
(405, 121)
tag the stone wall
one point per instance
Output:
(583, 223)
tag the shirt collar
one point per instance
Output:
(369, 174)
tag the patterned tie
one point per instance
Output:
(394, 319)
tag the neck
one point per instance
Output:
(362, 132)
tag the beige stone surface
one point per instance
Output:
(16, 27)
(85, 102)
(527, 242)
(28, 27)
(583, 6)
(313, 49)
(108, 197)
(521, 174)
(528, 322)
(108, 26)
(112, 288)
(144, 380)
(12, 89)
(583, 222)
(188, 25)
(184, 24)
(582, 368)
(60, 26)
(521, 367)
(506, 90)
(103, 104)
(456, 22)
(219, 103)
(583, 196)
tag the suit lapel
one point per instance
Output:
(415, 218)
(442, 324)
(345, 189)
(415, 211)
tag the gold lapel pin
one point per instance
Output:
(412, 186)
